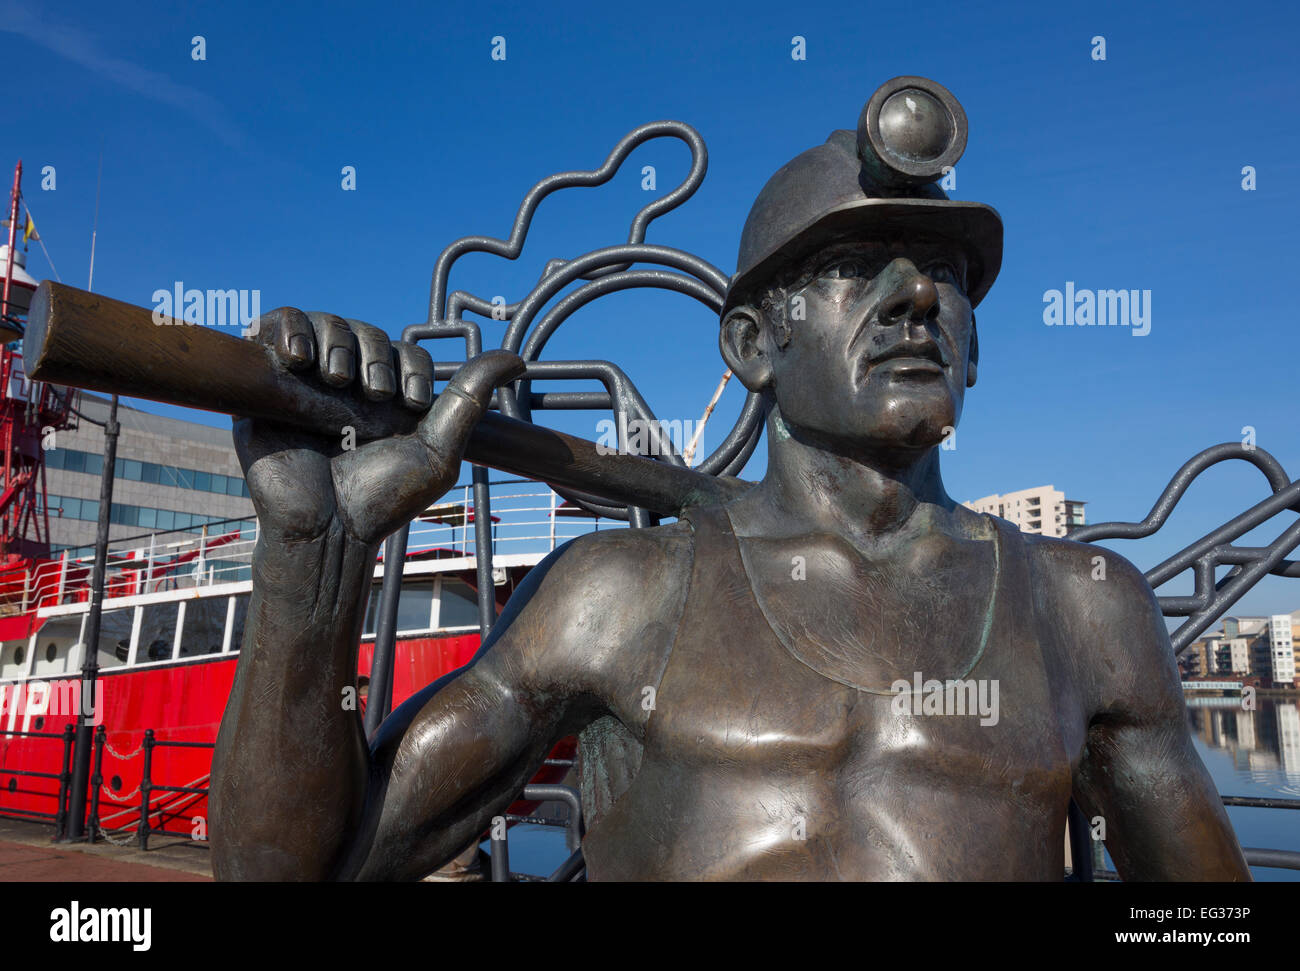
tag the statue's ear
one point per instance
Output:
(741, 341)
(974, 357)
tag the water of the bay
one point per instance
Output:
(1253, 753)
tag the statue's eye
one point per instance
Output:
(844, 270)
(944, 272)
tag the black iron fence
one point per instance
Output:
(64, 776)
(143, 829)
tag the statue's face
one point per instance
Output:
(883, 353)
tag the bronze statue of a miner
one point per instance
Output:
(791, 638)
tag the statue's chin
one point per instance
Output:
(911, 432)
(877, 427)
(902, 446)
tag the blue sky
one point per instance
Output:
(1122, 173)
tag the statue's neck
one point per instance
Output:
(869, 496)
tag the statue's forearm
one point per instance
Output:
(289, 772)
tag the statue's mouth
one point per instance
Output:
(909, 358)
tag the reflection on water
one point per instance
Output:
(1253, 753)
(1263, 745)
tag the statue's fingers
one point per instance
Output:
(291, 336)
(378, 380)
(415, 375)
(336, 349)
(461, 405)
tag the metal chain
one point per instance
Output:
(106, 835)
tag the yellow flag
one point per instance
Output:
(29, 231)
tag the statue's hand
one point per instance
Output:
(302, 483)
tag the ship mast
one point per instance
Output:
(29, 411)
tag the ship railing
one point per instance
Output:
(221, 553)
(149, 804)
(64, 777)
(527, 518)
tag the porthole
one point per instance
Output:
(13, 784)
(115, 783)
(51, 652)
(39, 723)
(19, 654)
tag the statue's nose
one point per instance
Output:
(915, 298)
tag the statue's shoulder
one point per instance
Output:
(614, 575)
(1088, 577)
(634, 551)
(1099, 610)
(601, 611)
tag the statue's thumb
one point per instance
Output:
(447, 426)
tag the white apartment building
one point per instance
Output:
(1043, 510)
(1264, 646)
(1234, 655)
(1281, 648)
(1295, 636)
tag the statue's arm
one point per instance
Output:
(296, 793)
(1164, 819)
(303, 797)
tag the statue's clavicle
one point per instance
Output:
(837, 658)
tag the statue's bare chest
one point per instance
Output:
(756, 739)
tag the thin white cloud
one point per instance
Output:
(82, 48)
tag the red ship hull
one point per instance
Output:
(182, 702)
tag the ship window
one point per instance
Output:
(205, 626)
(415, 606)
(57, 632)
(158, 632)
(115, 636)
(458, 605)
(11, 662)
(237, 627)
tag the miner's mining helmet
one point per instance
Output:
(879, 183)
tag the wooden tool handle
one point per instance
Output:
(94, 342)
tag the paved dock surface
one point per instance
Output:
(27, 854)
